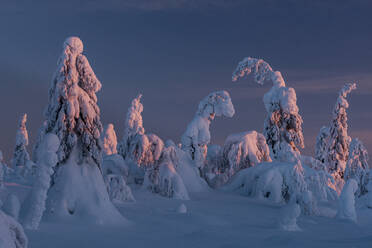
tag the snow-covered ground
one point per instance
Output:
(212, 219)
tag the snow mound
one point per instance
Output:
(346, 206)
(182, 209)
(79, 192)
(11, 233)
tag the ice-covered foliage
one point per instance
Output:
(346, 205)
(72, 113)
(197, 135)
(283, 124)
(109, 140)
(321, 144)
(34, 206)
(288, 217)
(357, 166)
(118, 189)
(277, 181)
(136, 146)
(21, 156)
(164, 179)
(243, 150)
(12, 206)
(339, 140)
(11, 233)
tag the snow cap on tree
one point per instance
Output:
(109, 140)
(72, 113)
(283, 123)
(21, 156)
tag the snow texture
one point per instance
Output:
(283, 123)
(339, 140)
(197, 135)
(288, 217)
(72, 113)
(34, 206)
(357, 166)
(277, 181)
(11, 233)
(12, 206)
(346, 206)
(109, 140)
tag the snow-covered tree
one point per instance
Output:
(21, 156)
(12, 234)
(12, 206)
(136, 146)
(78, 190)
(34, 207)
(339, 140)
(72, 113)
(283, 124)
(118, 189)
(346, 205)
(321, 144)
(197, 135)
(109, 140)
(357, 166)
(288, 217)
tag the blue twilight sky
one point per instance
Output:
(175, 52)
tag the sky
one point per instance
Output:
(175, 52)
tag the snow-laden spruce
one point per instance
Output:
(12, 234)
(139, 150)
(109, 140)
(346, 202)
(339, 140)
(78, 190)
(72, 113)
(164, 179)
(197, 135)
(283, 124)
(118, 189)
(34, 206)
(21, 162)
(357, 166)
(321, 144)
(276, 181)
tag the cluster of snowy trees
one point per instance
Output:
(80, 170)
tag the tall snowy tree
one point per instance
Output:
(283, 124)
(339, 140)
(77, 188)
(109, 140)
(136, 146)
(321, 144)
(197, 135)
(72, 113)
(357, 166)
(21, 156)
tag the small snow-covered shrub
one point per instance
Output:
(197, 135)
(118, 189)
(12, 206)
(346, 206)
(242, 151)
(357, 166)
(11, 233)
(277, 181)
(288, 217)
